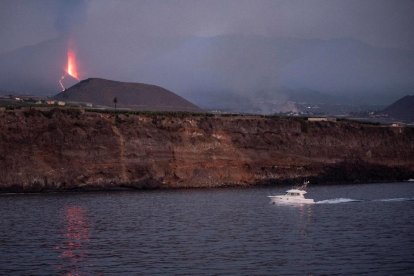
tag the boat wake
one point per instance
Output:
(395, 199)
(346, 200)
(337, 200)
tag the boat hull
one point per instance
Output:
(290, 200)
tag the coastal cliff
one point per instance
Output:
(67, 149)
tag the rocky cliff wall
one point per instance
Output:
(62, 149)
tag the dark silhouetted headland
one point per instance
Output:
(137, 96)
(403, 109)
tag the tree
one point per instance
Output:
(115, 102)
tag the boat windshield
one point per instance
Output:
(293, 194)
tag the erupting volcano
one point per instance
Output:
(71, 68)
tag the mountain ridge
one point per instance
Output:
(402, 109)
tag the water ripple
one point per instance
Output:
(204, 232)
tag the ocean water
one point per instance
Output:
(352, 230)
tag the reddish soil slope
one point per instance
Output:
(70, 149)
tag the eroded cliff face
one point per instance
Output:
(66, 149)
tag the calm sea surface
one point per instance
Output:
(354, 229)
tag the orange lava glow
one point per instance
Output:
(72, 69)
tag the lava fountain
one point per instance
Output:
(71, 68)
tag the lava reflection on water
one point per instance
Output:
(76, 233)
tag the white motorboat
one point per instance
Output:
(293, 196)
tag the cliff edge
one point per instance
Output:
(65, 149)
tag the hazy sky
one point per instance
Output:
(172, 43)
(386, 23)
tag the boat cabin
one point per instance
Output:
(295, 193)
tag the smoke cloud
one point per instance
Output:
(70, 15)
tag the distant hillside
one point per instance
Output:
(203, 69)
(20, 69)
(138, 96)
(403, 109)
